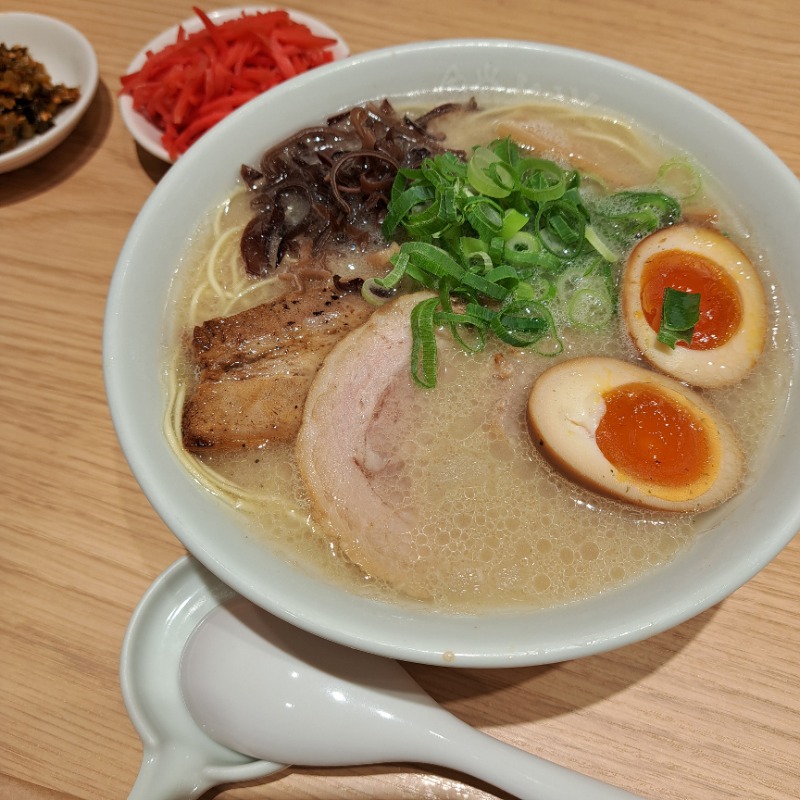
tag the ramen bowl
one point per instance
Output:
(746, 533)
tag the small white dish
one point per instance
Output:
(147, 135)
(68, 58)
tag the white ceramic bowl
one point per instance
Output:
(68, 58)
(147, 135)
(756, 525)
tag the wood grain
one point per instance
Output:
(707, 711)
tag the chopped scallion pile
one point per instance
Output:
(510, 246)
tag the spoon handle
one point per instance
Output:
(171, 772)
(522, 774)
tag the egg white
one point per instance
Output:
(566, 405)
(720, 366)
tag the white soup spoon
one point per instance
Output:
(271, 691)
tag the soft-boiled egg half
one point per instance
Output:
(731, 332)
(633, 434)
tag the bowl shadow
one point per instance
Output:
(543, 692)
(154, 167)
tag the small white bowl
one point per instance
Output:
(68, 58)
(147, 135)
(752, 529)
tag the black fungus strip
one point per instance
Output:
(326, 187)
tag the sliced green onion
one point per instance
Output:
(590, 309)
(479, 258)
(532, 258)
(541, 180)
(513, 222)
(445, 169)
(488, 175)
(523, 242)
(480, 313)
(485, 287)
(496, 247)
(374, 293)
(424, 222)
(680, 313)
(538, 287)
(432, 260)
(522, 323)
(501, 273)
(549, 346)
(461, 324)
(485, 216)
(561, 227)
(424, 359)
(507, 150)
(679, 178)
(402, 205)
(595, 241)
(647, 210)
(399, 262)
(448, 206)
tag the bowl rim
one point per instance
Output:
(402, 634)
(147, 135)
(64, 123)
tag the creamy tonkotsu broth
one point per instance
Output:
(498, 527)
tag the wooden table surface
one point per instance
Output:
(708, 711)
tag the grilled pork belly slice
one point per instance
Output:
(256, 366)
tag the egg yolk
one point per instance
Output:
(653, 437)
(720, 302)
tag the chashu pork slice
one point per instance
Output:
(255, 367)
(345, 446)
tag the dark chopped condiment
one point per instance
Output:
(327, 187)
(29, 101)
